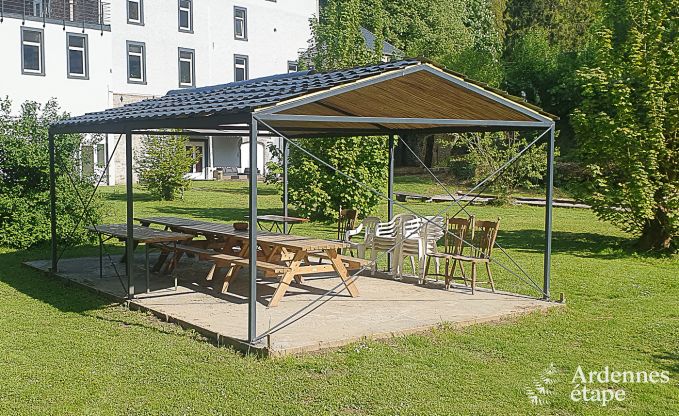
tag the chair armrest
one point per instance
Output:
(351, 233)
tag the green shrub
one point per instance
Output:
(24, 179)
(162, 165)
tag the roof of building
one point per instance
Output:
(387, 48)
(245, 97)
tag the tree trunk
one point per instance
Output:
(429, 151)
(657, 233)
(403, 156)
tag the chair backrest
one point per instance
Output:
(434, 230)
(392, 228)
(456, 234)
(483, 238)
(369, 226)
(346, 221)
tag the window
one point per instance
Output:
(187, 68)
(240, 23)
(292, 66)
(77, 59)
(135, 12)
(38, 8)
(101, 155)
(186, 15)
(240, 63)
(32, 52)
(136, 63)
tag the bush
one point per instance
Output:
(24, 179)
(318, 191)
(162, 165)
(487, 152)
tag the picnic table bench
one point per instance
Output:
(282, 255)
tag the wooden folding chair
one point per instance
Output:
(482, 240)
(345, 221)
(456, 232)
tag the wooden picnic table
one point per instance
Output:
(278, 222)
(140, 235)
(290, 250)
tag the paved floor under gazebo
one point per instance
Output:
(385, 307)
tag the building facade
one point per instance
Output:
(92, 54)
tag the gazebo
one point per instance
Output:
(389, 99)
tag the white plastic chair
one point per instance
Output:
(367, 227)
(419, 240)
(387, 239)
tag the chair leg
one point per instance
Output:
(446, 272)
(426, 267)
(452, 272)
(464, 275)
(373, 261)
(473, 277)
(490, 278)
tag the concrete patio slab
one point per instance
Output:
(385, 307)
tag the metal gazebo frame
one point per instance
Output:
(317, 105)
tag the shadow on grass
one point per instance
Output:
(237, 191)
(578, 244)
(55, 292)
(669, 361)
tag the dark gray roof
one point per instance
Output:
(387, 48)
(235, 97)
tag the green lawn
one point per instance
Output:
(67, 351)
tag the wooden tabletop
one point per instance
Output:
(294, 242)
(141, 234)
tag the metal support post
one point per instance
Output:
(129, 242)
(252, 301)
(286, 150)
(548, 213)
(53, 203)
(390, 189)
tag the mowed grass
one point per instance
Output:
(68, 351)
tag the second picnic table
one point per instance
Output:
(287, 249)
(278, 222)
(140, 235)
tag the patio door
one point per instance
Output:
(197, 151)
(245, 156)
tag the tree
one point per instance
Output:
(316, 190)
(485, 153)
(24, 179)
(162, 165)
(545, 44)
(628, 123)
(430, 28)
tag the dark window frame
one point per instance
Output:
(25, 71)
(144, 80)
(296, 64)
(86, 56)
(193, 67)
(246, 58)
(236, 9)
(139, 22)
(179, 19)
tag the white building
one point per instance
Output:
(92, 54)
